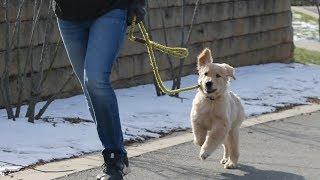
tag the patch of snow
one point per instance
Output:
(261, 87)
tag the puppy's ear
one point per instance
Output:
(230, 70)
(205, 57)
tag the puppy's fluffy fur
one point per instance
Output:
(217, 113)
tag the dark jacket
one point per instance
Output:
(77, 10)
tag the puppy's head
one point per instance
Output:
(213, 77)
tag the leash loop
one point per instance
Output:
(177, 52)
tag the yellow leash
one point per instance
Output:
(176, 52)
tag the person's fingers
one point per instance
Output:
(140, 13)
(137, 9)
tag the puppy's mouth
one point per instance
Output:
(209, 91)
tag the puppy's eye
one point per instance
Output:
(206, 74)
(218, 75)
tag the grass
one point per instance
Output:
(306, 56)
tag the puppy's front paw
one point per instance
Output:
(230, 165)
(223, 160)
(204, 154)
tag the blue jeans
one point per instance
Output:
(92, 47)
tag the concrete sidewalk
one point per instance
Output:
(286, 149)
(308, 44)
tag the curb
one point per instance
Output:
(70, 166)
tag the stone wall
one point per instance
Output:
(239, 32)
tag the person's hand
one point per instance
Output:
(136, 8)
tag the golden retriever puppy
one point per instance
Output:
(217, 113)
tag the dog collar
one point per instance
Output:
(211, 98)
(208, 97)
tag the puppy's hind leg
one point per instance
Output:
(199, 134)
(215, 138)
(233, 140)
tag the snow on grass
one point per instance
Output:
(304, 28)
(262, 88)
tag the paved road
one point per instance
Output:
(288, 149)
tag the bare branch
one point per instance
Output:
(33, 95)
(192, 22)
(58, 45)
(17, 23)
(158, 91)
(19, 75)
(178, 80)
(184, 42)
(44, 50)
(35, 18)
(166, 43)
(52, 98)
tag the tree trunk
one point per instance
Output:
(5, 77)
(19, 75)
(34, 94)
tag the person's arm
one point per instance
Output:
(136, 8)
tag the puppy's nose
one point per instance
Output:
(208, 84)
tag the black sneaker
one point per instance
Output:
(115, 166)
